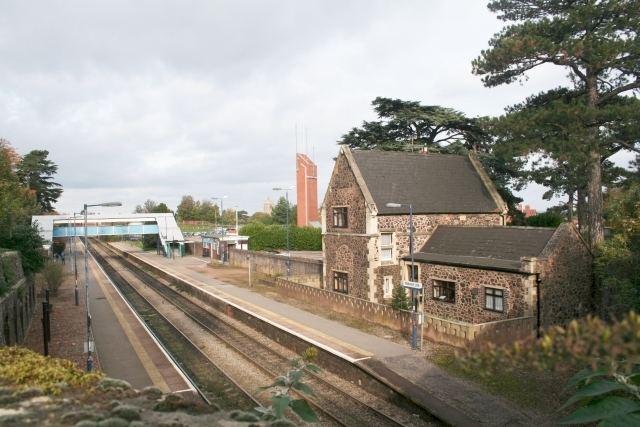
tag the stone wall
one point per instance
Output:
(566, 279)
(463, 334)
(344, 190)
(341, 303)
(17, 300)
(469, 298)
(348, 254)
(424, 226)
(276, 264)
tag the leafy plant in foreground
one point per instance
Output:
(606, 396)
(282, 386)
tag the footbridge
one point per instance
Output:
(65, 226)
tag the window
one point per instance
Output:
(386, 246)
(494, 299)
(444, 291)
(341, 282)
(387, 286)
(340, 217)
(415, 277)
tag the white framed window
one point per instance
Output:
(387, 286)
(386, 246)
(494, 299)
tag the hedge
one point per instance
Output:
(269, 237)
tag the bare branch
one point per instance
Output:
(624, 88)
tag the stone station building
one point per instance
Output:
(363, 239)
(477, 275)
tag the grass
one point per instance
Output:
(541, 392)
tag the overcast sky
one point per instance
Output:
(140, 100)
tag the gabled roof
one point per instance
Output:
(496, 247)
(432, 183)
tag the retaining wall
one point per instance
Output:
(276, 265)
(17, 300)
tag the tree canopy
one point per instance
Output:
(410, 126)
(36, 172)
(17, 204)
(597, 43)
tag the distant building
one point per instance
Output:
(307, 191)
(527, 210)
(267, 207)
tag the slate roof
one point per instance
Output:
(433, 183)
(485, 247)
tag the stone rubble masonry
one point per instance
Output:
(18, 303)
(360, 244)
(470, 299)
(566, 277)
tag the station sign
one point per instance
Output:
(412, 285)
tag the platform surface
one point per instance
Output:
(125, 348)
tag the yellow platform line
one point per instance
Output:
(154, 374)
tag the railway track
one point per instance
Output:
(344, 404)
(212, 384)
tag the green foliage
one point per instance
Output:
(400, 300)
(283, 213)
(282, 386)
(409, 126)
(261, 217)
(617, 264)
(605, 396)
(22, 367)
(25, 239)
(268, 237)
(579, 126)
(53, 275)
(36, 172)
(544, 219)
(586, 342)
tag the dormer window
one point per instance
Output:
(340, 217)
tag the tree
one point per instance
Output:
(597, 42)
(549, 128)
(36, 172)
(261, 217)
(187, 209)
(409, 126)
(279, 212)
(399, 298)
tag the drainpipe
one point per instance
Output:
(538, 280)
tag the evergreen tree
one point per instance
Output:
(399, 298)
(597, 43)
(36, 172)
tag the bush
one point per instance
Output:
(22, 367)
(586, 342)
(544, 219)
(268, 237)
(53, 275)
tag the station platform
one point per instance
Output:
(451, 399)
(124, 347)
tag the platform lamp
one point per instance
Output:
(414, 320)
(86, 278)
(286, 195)
(221, 198)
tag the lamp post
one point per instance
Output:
(86, 279)
(73, 254)
(286, 195)
(221, 221)
(414, 291)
